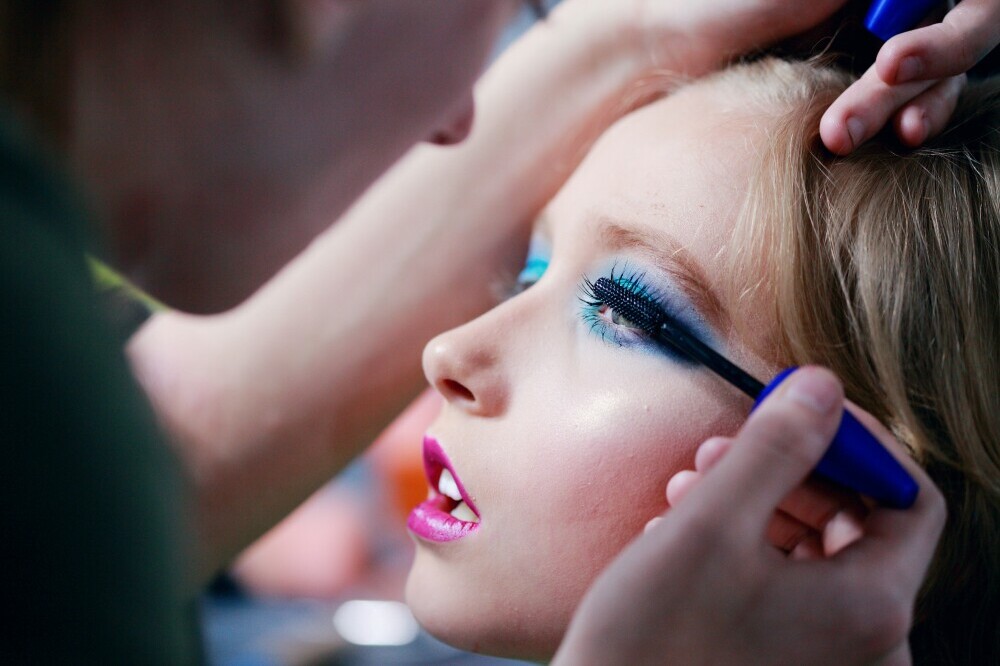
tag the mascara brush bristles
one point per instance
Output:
(648, 316)
(639, 311)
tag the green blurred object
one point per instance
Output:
(126, 305)
(92, 530)
(107, 279)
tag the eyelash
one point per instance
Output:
(606, 327)
(612, 331)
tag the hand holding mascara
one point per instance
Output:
(669, 575)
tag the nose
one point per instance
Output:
(461, 124)
(466, 366)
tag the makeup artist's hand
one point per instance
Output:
(704, 585)
(915, 81)
(816, 519)
(695, 38)
(718, 31)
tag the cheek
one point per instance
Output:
(565, 480)
(601, 465)
(620, 445)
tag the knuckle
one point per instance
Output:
(945, 39)
(965, 54)
(900, 44)
(897, 48)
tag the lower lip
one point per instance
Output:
(429, 522)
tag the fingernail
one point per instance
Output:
(813, 390)
(856, 130)
(909, 69)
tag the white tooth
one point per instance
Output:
(463, 512)
(447, 485)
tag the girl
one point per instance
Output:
(564, 421)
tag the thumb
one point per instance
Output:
(776, 449)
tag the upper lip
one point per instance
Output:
(435, 461)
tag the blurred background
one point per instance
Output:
(325, 586)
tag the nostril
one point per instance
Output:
(457, 389)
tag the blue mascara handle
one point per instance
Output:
(888, 18)
(858, 461)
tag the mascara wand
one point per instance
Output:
(855, 459)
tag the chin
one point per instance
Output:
(474, 618)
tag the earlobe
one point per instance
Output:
(304, 29)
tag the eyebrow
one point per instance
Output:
(670, 256)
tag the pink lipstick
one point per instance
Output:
(449, 513)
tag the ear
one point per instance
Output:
(306, 28)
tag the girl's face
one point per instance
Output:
(562, 424)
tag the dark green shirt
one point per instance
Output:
(91, 535)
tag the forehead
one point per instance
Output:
(680, 165)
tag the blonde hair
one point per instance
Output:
(885, 267)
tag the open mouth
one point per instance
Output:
(448, 513)
(445, 484)
(451, 498)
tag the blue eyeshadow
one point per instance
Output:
(537, 261)
(653, 285)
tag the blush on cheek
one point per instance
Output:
(626, 446)
(631, 437)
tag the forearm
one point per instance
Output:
(267, 402)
